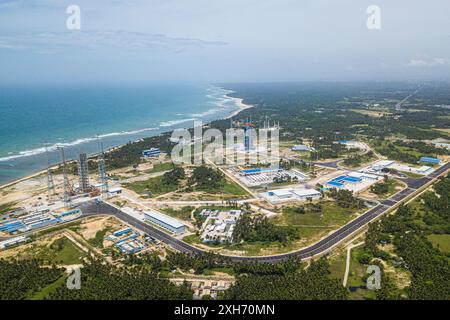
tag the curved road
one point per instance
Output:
(91, 208)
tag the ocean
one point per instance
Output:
(72, 116)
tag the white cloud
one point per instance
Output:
(93, 40)
(424, 62)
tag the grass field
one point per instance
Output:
(356, 278)
(440, 241)
(155, 185)
(159, 167)
(97, 241)
(337, 265)
(7, 207)
(330, 216)
(184, 213)
(394, 186)
(66, 252)
(41, 295)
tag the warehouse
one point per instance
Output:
(290, 194)
(382, 164)
(12, 242)
(353, 181)
(262, 176)
(301, 148)
(152, 152)
(430, 160)
(219, 226)
(166, 222)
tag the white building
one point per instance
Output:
(382, 164)
(11, 242)
(290, 194)
(219, 226)
(166, 222)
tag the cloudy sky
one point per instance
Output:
(222, 41)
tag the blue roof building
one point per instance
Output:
(430, 160)
(152, 152)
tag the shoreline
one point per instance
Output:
(238, 101)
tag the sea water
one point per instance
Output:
(37, 118)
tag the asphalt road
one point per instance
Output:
(91, 208)
(322, 246)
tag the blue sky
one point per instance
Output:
(222, 41)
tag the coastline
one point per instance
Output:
(238, 101)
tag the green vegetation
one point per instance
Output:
(66, 252)
(294, 283)
(159, 167)
(213, 182)
(386, 188)
(184, 213)
(97, 241)
(206, 179)
(261, 229)
(106, 282)
(356, 160)
(440, 241)
(6, 207)
(345, 199)
(325, 214)
(410, 230)
(23, 279)
(46, 291)
(155, 186)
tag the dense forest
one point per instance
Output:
(260, 228)
(22, 279)
(104, 282)
(313, 283)
(408, 230)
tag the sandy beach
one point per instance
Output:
(238, 101)
(242, 106)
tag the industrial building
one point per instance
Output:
(430, 160)
(262, 176)
(166, 222)
(219, 225)
(83, 172)
(277, 196)
(354, 181)
(151, 153)
(383, 167)
(442, 145)
(126, 240)
(301, 148)
(12, 242)
(35, 220)
(115, 191)
(351, 144)
(382, 164)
